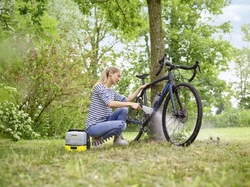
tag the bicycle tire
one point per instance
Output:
(182, 128)
(134, 129)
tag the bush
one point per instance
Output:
(58, 121)
(15, 123)
(230, 118)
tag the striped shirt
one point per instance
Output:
(99, 110)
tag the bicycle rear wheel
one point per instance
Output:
(183, 127)
(134, 121)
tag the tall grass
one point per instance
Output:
(219, 157)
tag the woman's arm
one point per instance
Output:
(128, 103)
(133, 95)
(118, 104)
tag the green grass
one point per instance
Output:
(219, 157)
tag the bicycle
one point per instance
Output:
(180, 104)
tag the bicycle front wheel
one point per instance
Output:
(182, 126)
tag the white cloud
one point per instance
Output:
(238, 14)
(235, 13)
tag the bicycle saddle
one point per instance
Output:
(143, 76)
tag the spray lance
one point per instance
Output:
(147, 110)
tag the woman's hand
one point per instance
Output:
(136, 106)
(133, 95)
(144, 86)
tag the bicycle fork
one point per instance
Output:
(169, 89)
(178, 113)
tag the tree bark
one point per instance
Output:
(157, 52)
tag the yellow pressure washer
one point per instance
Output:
(77, 139)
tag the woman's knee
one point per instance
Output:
(123, 126)
(124, 111)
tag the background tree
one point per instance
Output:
(156, 41)
(46, 69)
(52, 52)
(232, 115)
(246, 32)
(48, 62)
(242, 71)
(112, 23)
(189, 36)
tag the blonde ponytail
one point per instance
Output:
(105, 73)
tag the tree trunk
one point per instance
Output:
(157, 52)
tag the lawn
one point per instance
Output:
(219, 157)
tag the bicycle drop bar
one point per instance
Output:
(164, 62)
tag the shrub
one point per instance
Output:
(230, 118)
(15, 123)
(56, 123)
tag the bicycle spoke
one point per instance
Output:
(182, 126)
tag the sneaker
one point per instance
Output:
(100, 145)
(97, 143)
(120, 141)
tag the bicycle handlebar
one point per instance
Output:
(164, 62)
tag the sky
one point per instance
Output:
(238, 12)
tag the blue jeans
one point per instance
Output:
(113, 126)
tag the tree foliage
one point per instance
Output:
(46, 69)
(242, 71)
(54, 63)
(189, 36)
(21, 17)
(246, 31)
(53, 51)
(230, 117)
